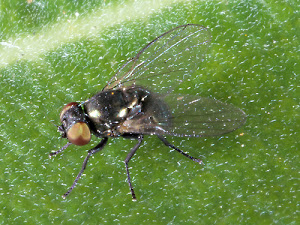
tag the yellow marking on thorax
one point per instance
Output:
(95, 114)
(133, 103)
(123, 112)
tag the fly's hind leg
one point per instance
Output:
(129, 156)
(164, 140)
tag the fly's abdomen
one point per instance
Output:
(147, 114)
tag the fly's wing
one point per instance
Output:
(165, 61)
(190, 116)
(199, 116)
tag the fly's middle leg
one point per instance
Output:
(129, 156)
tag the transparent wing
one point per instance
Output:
(198, 116)
(191, 116)
(164, 62)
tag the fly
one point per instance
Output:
(139, 100)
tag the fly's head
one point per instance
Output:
(74, 125)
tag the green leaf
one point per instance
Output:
(56, 52)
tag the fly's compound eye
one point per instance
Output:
(79, 134)
(74, 124)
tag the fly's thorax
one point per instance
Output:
(74, 124)
(108, 109)
(105, 106)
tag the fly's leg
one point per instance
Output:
(94, 150)
(128, 157)
(164, 140)
(60, 150)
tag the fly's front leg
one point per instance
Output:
(164, 140)
(94, 150)
(129, 156)
(60, 150)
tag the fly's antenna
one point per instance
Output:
(53, 123)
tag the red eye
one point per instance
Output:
(79, 134)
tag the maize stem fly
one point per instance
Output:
(139, 100)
